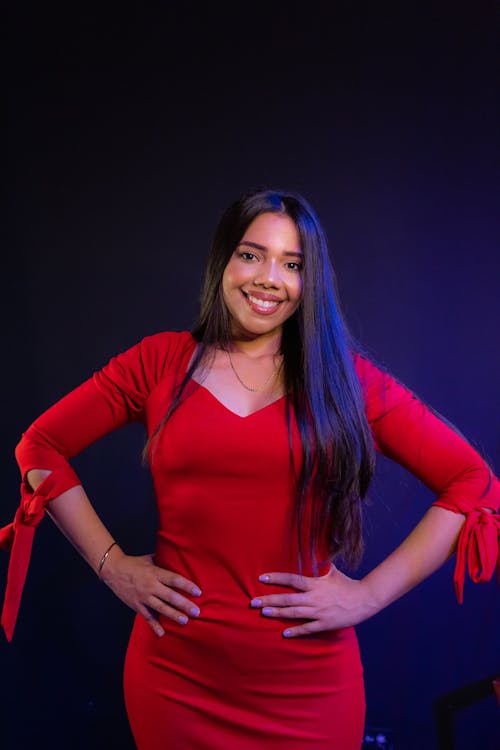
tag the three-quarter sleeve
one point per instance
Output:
(412, 434)
(114, 396)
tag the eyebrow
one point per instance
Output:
(287, 253)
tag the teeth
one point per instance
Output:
(266, 304)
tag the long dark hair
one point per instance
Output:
(338, 457)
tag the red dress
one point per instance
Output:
(228, 679)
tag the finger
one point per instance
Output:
(303, 583)
(151, 620)
(298, 613)
(160, 607)
(307, 629)
(279, 600)
(166, 594)
(176, 581)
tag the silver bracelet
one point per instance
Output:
(104, 558)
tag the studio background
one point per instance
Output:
(128, 135)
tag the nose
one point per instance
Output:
(269, 274)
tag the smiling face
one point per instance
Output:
(262, 282)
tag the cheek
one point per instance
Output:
(227, 282)
(298, 289)
(233, 278)
(229, 287)
(229, 276)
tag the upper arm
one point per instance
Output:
(114, 396)
(411, 433)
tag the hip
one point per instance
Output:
(220, 654)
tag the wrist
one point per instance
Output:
(108, 561)
(371, 601)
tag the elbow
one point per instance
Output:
(34, 459)
(477, 488)
(19, 449)
(35, 477)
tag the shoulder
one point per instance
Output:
(164, 351)
(165, 347)
(382, 391)
(144, 365)
(367, 371)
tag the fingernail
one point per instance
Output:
(287, 633)
(194, 611)
(196, 591)
(265, 578)
(159, 632)
(256, 603)
(267, 611)
(182, 619)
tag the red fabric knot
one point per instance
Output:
(477, 549)
(29, 513)
(18, 537)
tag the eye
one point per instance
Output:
(246, 255)
(295, 265)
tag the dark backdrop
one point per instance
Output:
(128, 134)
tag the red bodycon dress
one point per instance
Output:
(228, 680)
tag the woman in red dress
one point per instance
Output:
(262, 426)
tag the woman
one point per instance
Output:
(261, 426)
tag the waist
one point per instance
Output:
(226, 619)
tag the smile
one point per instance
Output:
(262, 305)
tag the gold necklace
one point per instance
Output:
(249, 388)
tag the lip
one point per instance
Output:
(265, 298)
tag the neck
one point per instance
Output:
(259, 346)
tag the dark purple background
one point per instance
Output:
(128, 136)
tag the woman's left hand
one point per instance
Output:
(329, 602)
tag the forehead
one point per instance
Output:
(275, 231)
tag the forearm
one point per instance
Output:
(136, 580)
(423, 551)
(74, 515)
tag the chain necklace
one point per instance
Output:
(247, 387)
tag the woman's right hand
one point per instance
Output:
(148, 589)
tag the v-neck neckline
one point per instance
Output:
(234, 413)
